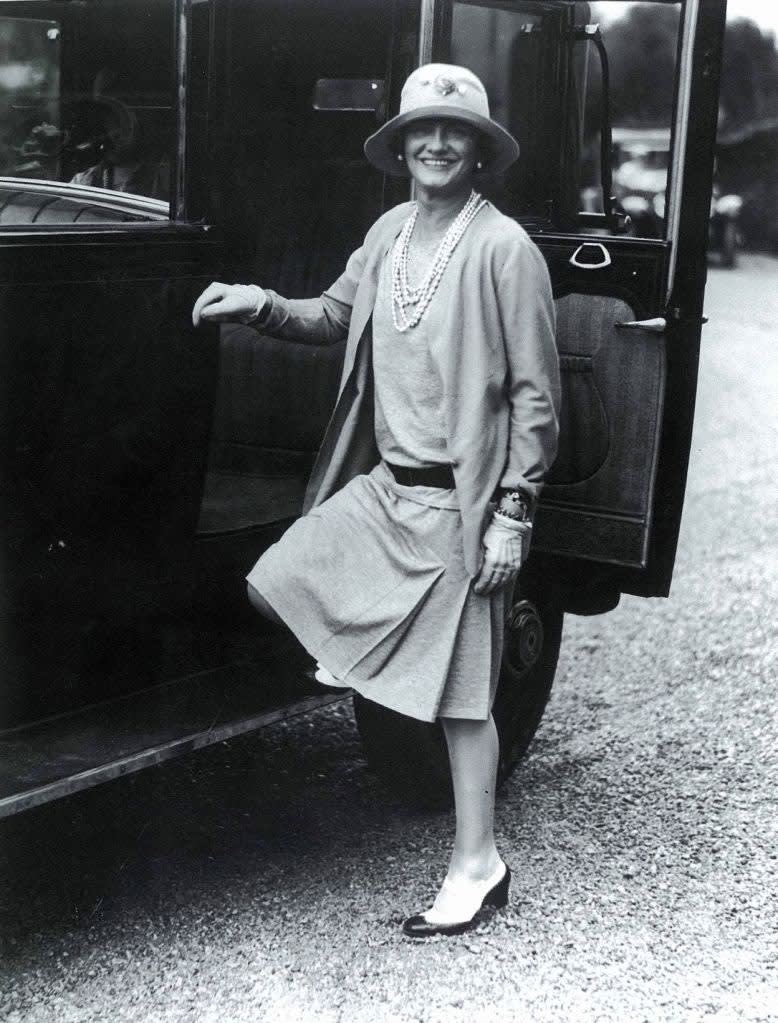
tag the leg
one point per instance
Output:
(472, 750)
(265, 609)
(476, 874)
(262, 605)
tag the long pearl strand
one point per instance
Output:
(405, 297)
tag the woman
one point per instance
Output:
(420, 504)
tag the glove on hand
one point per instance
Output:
(229, 303)
(505, 544)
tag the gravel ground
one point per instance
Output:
(265, 880)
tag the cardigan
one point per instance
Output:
(494, 350)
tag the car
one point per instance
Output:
(640, 178)
(146, 465)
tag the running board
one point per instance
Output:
(61, 755)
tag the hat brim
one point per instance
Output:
(380, 148)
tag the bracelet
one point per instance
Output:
(519, 517)
(518, 505)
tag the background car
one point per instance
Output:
(641, 171)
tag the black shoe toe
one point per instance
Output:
(419, 927)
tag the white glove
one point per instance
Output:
(229, 303)
(506, 543)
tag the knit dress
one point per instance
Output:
(372, 581)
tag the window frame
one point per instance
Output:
(153, 214)
(436, 26)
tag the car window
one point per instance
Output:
(86, 102)
(511, 47)
(641, 42)
(541, 63)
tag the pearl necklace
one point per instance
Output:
(405, 297)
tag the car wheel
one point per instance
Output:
(410, 755)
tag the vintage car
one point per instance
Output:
(640, 179)
(146, 465)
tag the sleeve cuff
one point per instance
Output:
(269, 315)
(513, 480)
(513, 524)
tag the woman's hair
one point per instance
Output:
(485, 152)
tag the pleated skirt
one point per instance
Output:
(373, 584)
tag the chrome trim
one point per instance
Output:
(182, 46)
(656, 325)
(604, 261)
(426, 26)
(673, 213)
(125, 202)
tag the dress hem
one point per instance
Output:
(363, 687)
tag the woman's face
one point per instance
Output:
(441, 155)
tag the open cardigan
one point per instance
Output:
(493, 347)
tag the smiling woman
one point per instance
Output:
(440, 155)
(125, 636)
(421, 501)
(434, 101)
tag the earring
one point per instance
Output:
(400, 157)
(479, 165)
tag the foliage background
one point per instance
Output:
(642, 51)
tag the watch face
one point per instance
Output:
(515, 504)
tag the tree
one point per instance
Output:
(642, 48)
(749, 82)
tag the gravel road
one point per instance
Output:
(265, 880)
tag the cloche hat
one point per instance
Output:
(435, 91)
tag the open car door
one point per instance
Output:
(629, 290)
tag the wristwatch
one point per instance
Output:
(515, 504)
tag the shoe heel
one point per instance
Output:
(498, 896)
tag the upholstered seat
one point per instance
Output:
(272, 405)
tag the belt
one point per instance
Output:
(427, 476)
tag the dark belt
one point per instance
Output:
(428, 476)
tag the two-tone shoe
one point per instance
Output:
(458, 904)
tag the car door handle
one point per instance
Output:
(656, 325)
(604, 260)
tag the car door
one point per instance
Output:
(296, 90)
(107, 391)
(628, 289)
